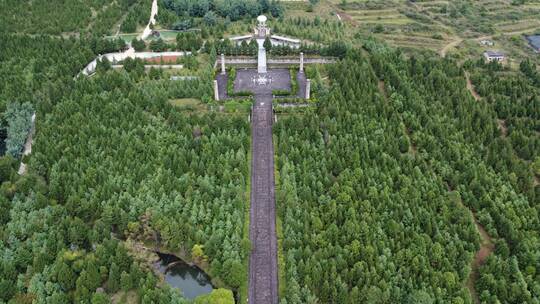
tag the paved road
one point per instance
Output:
(263, 278)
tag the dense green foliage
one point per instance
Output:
(138, 15)
(302, 27)
(379, 182)
(62, 224)
(379, 218)
(40, 68)
(19, 122)
(462, 153)
(160, 160)
(232, 9)
(49, 253)
(516, 101)
(59, 16)
(188, 41)
(217, 296)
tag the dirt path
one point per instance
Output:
(450, 45)
(501, 123)
(344, 16)
(153, 12)
(263, 275)
(471, 88)
(28, 145)
(382, 89)
(486, 248)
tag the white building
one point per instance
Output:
(494, 56)
(487, 42)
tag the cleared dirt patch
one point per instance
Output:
(346, 17)
(382, 89)
(501, 123)
(129, 297)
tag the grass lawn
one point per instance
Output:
(189, 104)
(127, 37)
(123, 297)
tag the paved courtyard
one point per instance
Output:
(250, 80)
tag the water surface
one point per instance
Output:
(191, 280)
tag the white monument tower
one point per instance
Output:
(261, 32)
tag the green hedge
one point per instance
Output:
(293, 100)
(294, 81)
(281, 92)
(238, 105)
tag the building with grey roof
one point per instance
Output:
(494, 56)
(534, 42)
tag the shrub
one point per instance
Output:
(281, 92)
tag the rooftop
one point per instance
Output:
(292, 40)
(534, 40)
(493, 54)
(241, 37)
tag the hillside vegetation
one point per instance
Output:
(377, 193)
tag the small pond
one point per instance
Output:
(191, 280)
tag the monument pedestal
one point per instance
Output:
(261, 57)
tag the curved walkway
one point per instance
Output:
(119, 56)
(153, 12)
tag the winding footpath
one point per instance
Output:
(486, 248)
(450, 45)
(486, 243)
(471, 88)
(263, 277)
(153, 13)
(130, 52)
